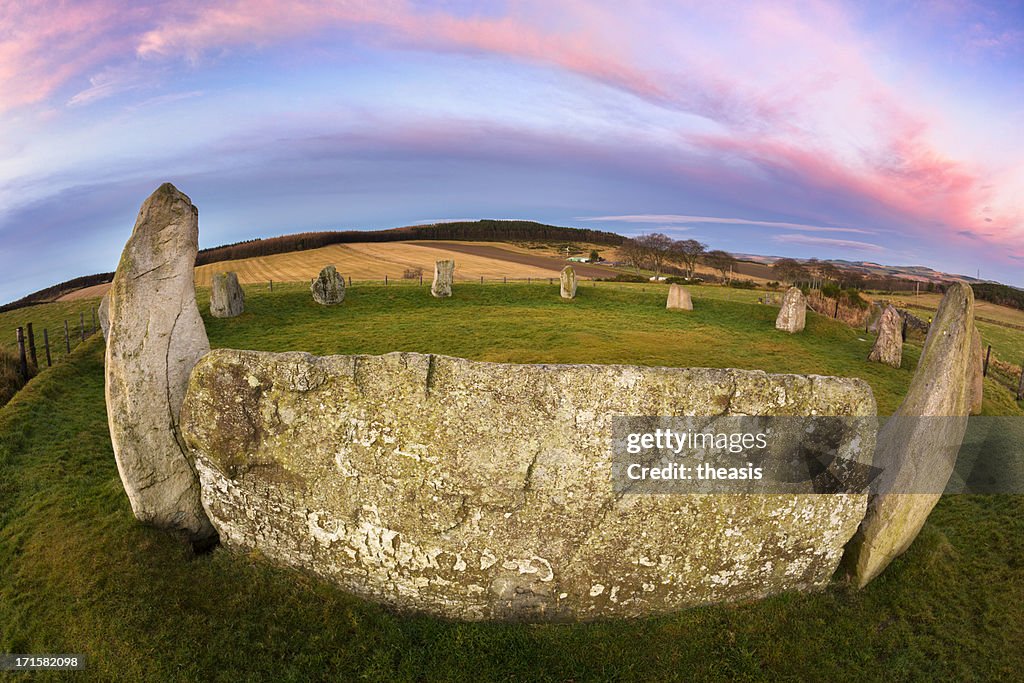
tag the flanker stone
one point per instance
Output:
(679, 299)
(156, 335)
(917, 456)
(888, 348)
(793, 313)
(475, 490)
(444, 273)
(104, 314)
(568, 282)
(329, 287)
(227, 299)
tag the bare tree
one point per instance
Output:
(789, 270)
(721, 261)
(656, 248)
(633, 253)
(687, 253)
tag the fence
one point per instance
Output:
(29, 351)
(1009, 375)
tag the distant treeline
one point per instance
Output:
(996, 293)
(477, 231)
(56, 291)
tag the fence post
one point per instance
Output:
(1020, 386)
(421, 278)
(836, 314)
(46, 345)
(21, 354)
(349, 280)
(81, 323)
(67, 338)
(481, 279)
(988, 354)
(504, 279)
(32, 346)
(271, 285)
(385, 279)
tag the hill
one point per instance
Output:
(486, 230)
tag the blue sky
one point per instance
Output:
(822, 129)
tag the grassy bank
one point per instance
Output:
(79, 574)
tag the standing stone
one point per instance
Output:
(444, 273)
(156, 336)
(917, 448)
(104, 314)
(329, 287)
(679, 299)
(793, 313)
(888, 348)
(568, 281)
(874, 316)
(226, 297)
(977, 374)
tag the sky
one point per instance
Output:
(890, 132)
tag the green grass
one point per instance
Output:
(79, 574)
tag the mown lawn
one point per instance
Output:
(79, 574)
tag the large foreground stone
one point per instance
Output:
(156, 336)
(444, 273)
(482, 490)
(917, 456)
(793, 313)
(679, 299)
(329, 287)
(227, 299)
(567, 279)
(888, 347)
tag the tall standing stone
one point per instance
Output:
(568, 282)
(793, 313)
(156, 336)
(226, 297)
(329, 287)
(444, 273)
(104, 314)
(679, 299)
(888, 348)
(917, 448)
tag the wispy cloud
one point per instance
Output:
(813, 241)
(715, 220)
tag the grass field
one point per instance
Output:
(79, 574)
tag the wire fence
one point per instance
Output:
(36, 347)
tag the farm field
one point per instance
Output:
(78, 573)
(372, 261)
(982, 309)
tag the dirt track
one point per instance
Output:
(537, 261)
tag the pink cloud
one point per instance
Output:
(789, 88)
